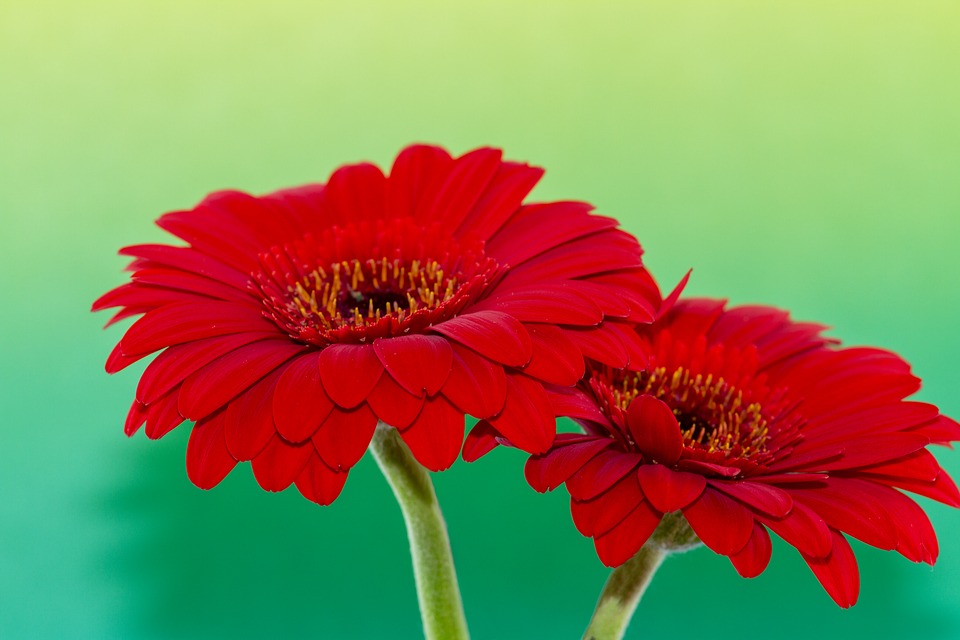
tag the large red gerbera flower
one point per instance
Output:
(744, 422)
(292, 323)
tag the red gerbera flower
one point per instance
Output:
(745, 421)
(292, 323)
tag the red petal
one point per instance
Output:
(874, 513)
(669, 490)
(624, 541)
(136, 416)
(117, 361)
(481, 440)
(845, 506)
(556, 359)
(838, 572)
(393, 405)
(560, 303)
(190, 260)
(475, 385)
(548, 471)
(437, 435)
(183, 322)
(720, 522)
(753, 558)
(527, 418)
(415, 178)
(163, 415)
(417, 362)
(768, 500)
(655, 429)
(501, 199)
(574, 403)
(803, 529)
(943, 489)
(600, 345)
(707, 468)
(300, 405)
(319, 483)
(208, 460)
(674, 295)
(211, 387)
(248, 419)
(493, 334)
(279, 464)
(541, 227)
(469, 177)
(349, 373)
(599, 515)
(356, 192)
(345, 435)
(601, 473)
(175, 364)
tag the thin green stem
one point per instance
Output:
(440, 606)
(622, 593)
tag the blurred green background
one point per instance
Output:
(801, 154)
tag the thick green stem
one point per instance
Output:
(622, 593)
(440, 607)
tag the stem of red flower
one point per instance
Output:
(628, 582)
(622, 593)
(441, 608)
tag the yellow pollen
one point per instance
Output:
(360, 293)
(713, 415)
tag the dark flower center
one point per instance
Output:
(356, 300)
(360, 294)
(714, 416)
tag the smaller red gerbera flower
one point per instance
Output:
(746, 422)
(291, 324)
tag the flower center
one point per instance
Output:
(356, 300)
(360, 294)
(714, 415)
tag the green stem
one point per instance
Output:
(622, 593)
(440, 607)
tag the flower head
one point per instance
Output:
(746, 422)
(292, 323)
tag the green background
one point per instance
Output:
(801, 154)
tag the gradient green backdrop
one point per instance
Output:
(802, 154)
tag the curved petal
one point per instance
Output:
(436, 436)
(319, 483)
(624, 541)
(300, 404)
(655, 429)
(720, 522)
(527, 418)
(184, 322)
(669, 490)
(493, 334)
(838, 572)
(393, 404)
(218, 382)
(248, 420)
(416, 362)
(599, 515)
(753, 558)
(344, 436)
(548, 471)
(600, 473)
(349, 373)
(279, 463)
(555, 359)
(475, 385)
(208, 459)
